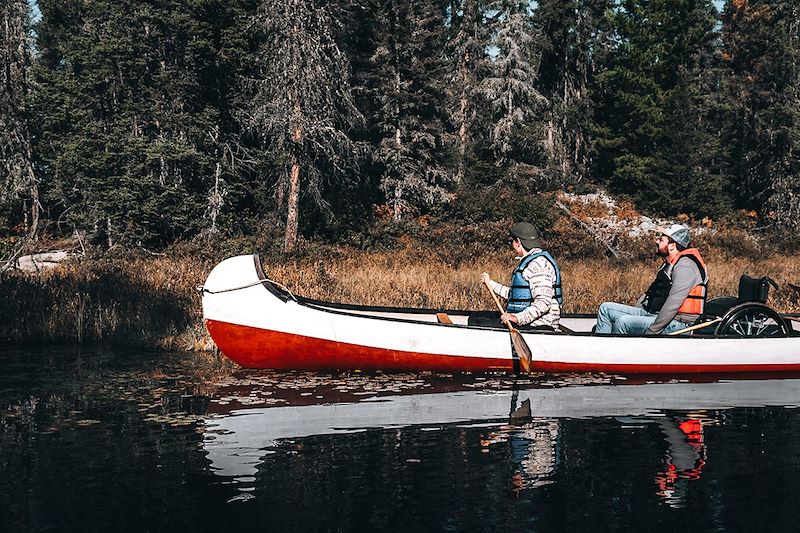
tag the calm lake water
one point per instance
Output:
(112, 441)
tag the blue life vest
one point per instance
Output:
(520, 297)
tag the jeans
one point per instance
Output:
(628, 320)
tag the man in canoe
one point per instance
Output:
(674, 300)
(534, 297)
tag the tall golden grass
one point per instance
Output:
(139, 302)
(404, 279)
(152, 301)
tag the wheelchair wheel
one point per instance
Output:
(752, 320)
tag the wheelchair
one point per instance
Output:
(745, 315)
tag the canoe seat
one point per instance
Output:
(443, 318)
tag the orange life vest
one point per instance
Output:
(696, 300)
(659, 290)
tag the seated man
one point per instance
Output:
(534, 297)
(674, 301)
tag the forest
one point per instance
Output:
(144, 123)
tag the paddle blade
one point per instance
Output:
(522, 349)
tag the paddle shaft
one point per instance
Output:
(499, 307)
(697, 326)
(521, 347)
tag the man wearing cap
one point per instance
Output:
(535, 295)
(673, 301)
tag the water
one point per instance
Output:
(112, 441)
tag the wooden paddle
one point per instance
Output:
(696, 326)
(517, 341)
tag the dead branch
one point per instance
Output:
(11, 261)
(590, 230)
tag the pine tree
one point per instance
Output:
(762, 50)
(467, 61)
(512, 87)
(19, 179)
(128, 109)
(301, 104)
(572, 32)
(651, 129)
(408, 81)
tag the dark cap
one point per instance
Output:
(526, 234)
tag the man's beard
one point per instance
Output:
(661, 253)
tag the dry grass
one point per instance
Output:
(152, 301)
(140, 302)
(405, 279)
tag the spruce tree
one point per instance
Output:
(467, 62)
(408, 81)
(572, 31)
(129, 109)
(762, 51)
(300, 106)
(651, 133)
(511, 88)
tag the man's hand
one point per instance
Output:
(486, 279)
(505, 318)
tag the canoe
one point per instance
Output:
(259, 324)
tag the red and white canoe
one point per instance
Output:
(258, 324)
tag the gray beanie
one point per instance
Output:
(526, 234)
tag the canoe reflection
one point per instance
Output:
(237, 441)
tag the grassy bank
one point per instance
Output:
(151, 301)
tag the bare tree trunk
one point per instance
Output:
(17, 153)
(398, 142)
(33, 231)
(462, 139)
(216, 198)
(549, 141)
(591, 231)
(292, 203)
(293, 200)
(398, 213)
(463, 129)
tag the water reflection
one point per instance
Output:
(685, 457)
(171, 443)
(524, 419)
(532, 450)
